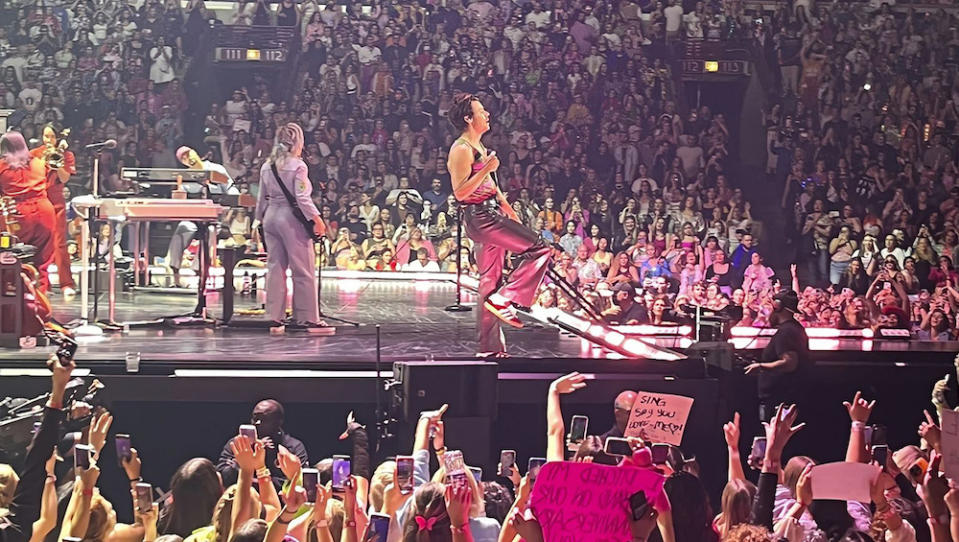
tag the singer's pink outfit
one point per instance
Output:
(496, 234)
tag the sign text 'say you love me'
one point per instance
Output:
(659, 417)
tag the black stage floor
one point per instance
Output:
(413, 325)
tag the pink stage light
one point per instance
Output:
(812, 332)
(648, 330)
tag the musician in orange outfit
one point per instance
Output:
(56, 179)
(23, 178)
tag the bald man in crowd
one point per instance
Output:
(621, 408)
(267, 417)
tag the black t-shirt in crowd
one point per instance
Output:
(789, 48)
(359, 228)
(779, 385)
(286, 15)
(635, 311)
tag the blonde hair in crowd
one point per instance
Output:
(288, 144)
(8, 484)
(382, 477)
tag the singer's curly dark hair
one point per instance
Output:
(462, 108)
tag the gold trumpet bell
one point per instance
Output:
(53, 155)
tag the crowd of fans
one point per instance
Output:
(599, 148)
(861, 147)
(257, 490)
(106, 70)
(636, 194)
(641, 195)
(376, 87)
(865, 158)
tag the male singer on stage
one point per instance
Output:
(493, 225)
(57, 175)
(222, 183)
(23, 178)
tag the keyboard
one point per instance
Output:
(160, 209)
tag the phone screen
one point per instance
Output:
(507, 458)
(477, 474)
(144, 497)
(878, 435)
(311, 477)
(617, 446)
(880, 454)
(457, 479)
(404, 474)
(638, 505)
(67, 350)
(577, 429)
(660, 453)
(249, 431)
(124, 452)
(533, 467)
(341, 471)
(379, 528)
(758, 452)
(453, 462)
(81, 456)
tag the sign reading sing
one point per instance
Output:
(659, 417)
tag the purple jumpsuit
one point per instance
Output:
(288, 244)
(495, 234)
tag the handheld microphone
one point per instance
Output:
(108, 144)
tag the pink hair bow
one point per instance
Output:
(426, 524)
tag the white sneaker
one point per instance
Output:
(69, 293)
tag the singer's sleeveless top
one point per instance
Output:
(487, 189)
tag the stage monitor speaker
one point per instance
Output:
(717, 354)
(714, 329)
(468, 387)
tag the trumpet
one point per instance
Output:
(53, 155)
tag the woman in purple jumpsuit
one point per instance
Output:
(288, 244)
(493, 225)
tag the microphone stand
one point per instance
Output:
(319, 286)
(459, 306)
(86, 329)
(319, 273)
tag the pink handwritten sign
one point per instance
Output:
(575, 502)
(659, 417)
